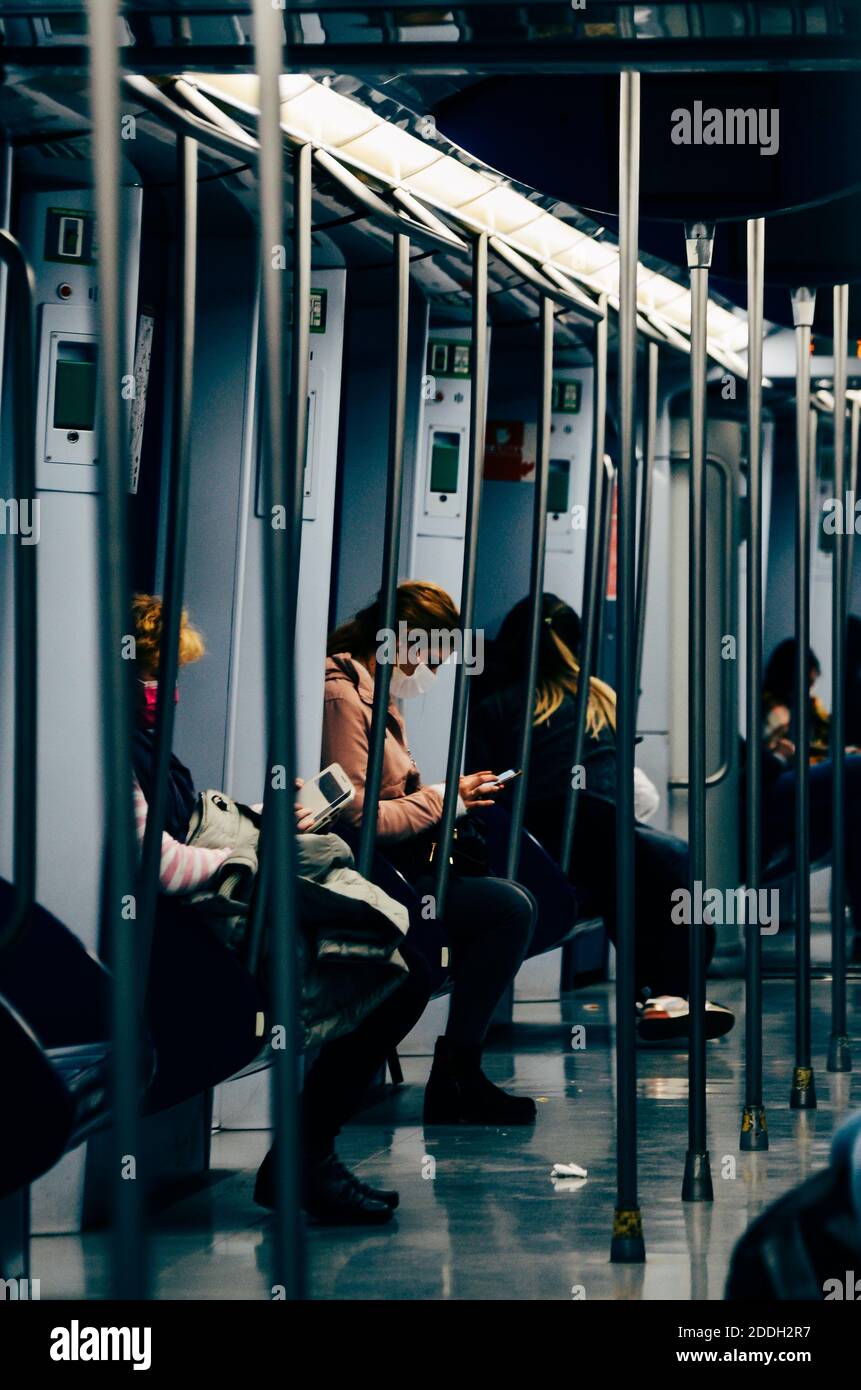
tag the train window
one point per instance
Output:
(445, 462)
(75, 386)
(559, 475)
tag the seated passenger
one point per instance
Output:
(345, 1067)
(778, 700)
(660, 860)
(489, 921)
(779, 777)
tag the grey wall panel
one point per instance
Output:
(70, 808)
(225, 344)
(367, 364)
(246, 752)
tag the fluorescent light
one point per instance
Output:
(313, 112)
(547, 237)
(501, 210)
(388, 151)
(448, 183)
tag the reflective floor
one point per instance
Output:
(480, 1216)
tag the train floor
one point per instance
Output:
(481, 1217)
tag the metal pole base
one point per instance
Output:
(839, 1055)
(697, 1185)
(627, 1246)
(754, 1129)
(803, 1093)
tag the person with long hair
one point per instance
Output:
(778, 701)
(344, 1068)
(660, 860)
(778, 771)
(488, 921)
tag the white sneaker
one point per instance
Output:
(668, 1016)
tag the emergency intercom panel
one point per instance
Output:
(570, 453)
(443, 464)
(445, 472)
(60, 235)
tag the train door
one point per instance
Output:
(723, 490)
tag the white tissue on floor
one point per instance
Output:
(568, 1170)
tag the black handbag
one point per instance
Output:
(417, 857)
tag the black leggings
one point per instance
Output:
(660, 867)
(489, 923)
(343, 1070)
(778, 820)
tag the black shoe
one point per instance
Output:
(331, 1195)
(387, 1195)
(459, 1093)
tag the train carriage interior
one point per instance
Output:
(530, 333)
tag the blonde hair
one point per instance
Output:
(420, 604)
(565, 680)
(148, 621)
(559, 637)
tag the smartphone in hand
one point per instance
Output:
(326, 794)
(502, 780)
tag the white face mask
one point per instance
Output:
(405, 687)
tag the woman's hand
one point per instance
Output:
(782, 748)
(474, 787)
(304, 817)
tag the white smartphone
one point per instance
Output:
(326, 794)
(501, 780)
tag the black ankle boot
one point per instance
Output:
(331, 1195)
(459, 1093)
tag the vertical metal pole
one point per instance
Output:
(839, 1055)
(477, 427)
(300, 341)
(803, 1092)
(280, 569)
(177, 531)
(854, 423)
(593, 568)
(391, 547)
(536, 575)
(608, 497)
(16, 296)
(697, 1185)
(650, 440)
(627, 1244)
(754, 1128)
(120, 928)
(5, 225)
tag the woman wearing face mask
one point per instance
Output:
(344, 1068)
(489, 922)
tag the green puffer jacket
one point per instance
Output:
(349, 929)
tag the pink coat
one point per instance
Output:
(406, 807)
